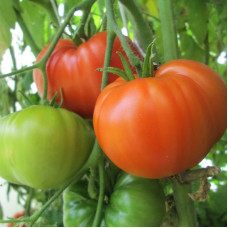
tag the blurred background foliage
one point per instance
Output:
(28, 25)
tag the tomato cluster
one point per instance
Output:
(150, 127)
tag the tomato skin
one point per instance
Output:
(74, 70)
(160, 126)
(43, 147)
(209, 81)
(135, 202)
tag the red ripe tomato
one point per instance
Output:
(73, 69)
(159, 126)
(17, 215)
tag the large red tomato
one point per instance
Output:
(162, 125)
(73, 69)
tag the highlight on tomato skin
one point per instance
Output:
(159, 126)
(73, 70)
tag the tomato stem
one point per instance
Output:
(184, 204)
(112, 26)
(26, 33)
(169, 35)
(29, 201)
(98, 214)
(80, 29)
(108, 53)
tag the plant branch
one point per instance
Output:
(28, 37)
(98, 214)
(184, 204)
(112, 26)
(55, 11)
(196, 174)
(80, 29)
(110, 40)
(169, 36)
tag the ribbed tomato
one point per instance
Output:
(43, 147)
(73, 69)
(159, 126)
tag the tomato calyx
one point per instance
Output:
(127, 74)
(147, 66)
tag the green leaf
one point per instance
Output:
(152, 7)
(197, 16)
(7, 21)
(190, 49)
(34, 18)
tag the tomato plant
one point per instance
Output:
(135, 202)
(73, 69)
(43, 147)
(159, 126)
(155, 127)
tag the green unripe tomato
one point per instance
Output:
(42, 146)
(135, 202)
(78, 209)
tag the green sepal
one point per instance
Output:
(126, 66)
(148, 69)
(53, 101)
(116, 71)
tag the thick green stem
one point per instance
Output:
(28, 202)
(55, 11)
(184, 204)
(112, 26)
(141, 29)
(169, 35)
(80, 29)
(108, 54)
(98, 215)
